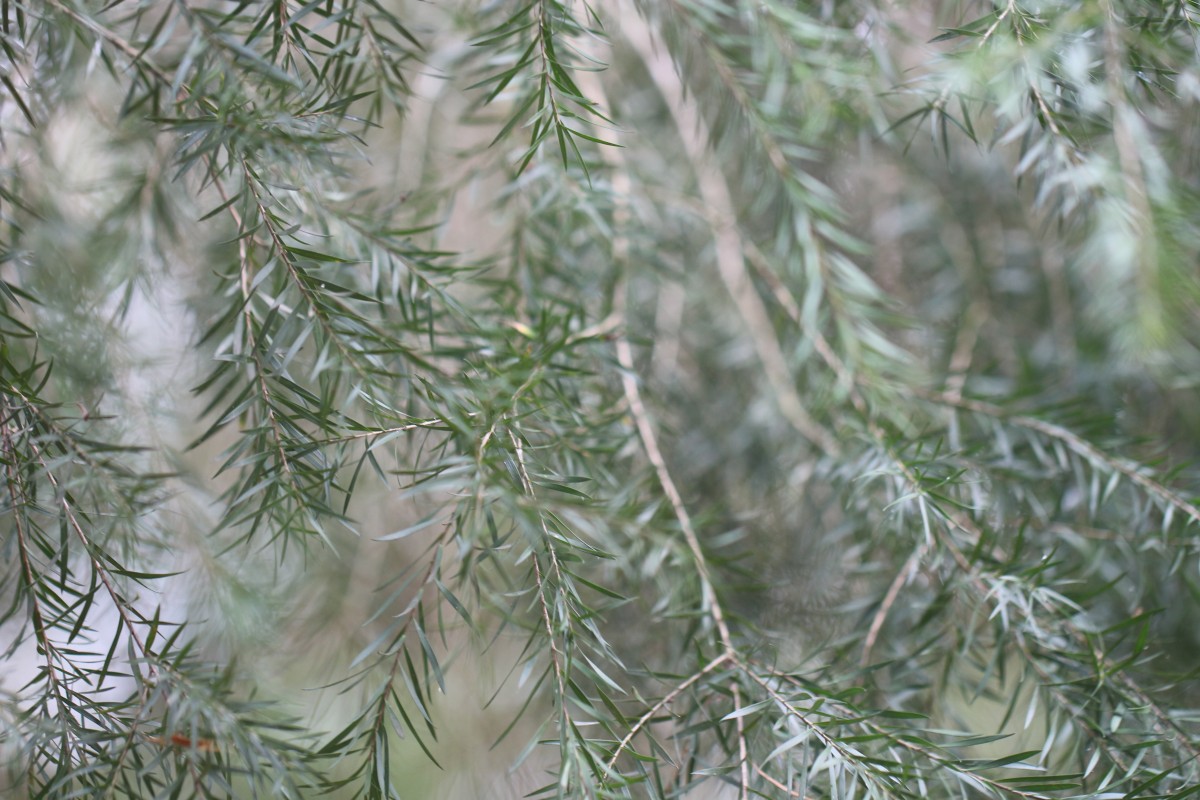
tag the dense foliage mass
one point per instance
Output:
(684, 398)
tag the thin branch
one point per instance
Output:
(710, 603)
(865, 768)
(730, 250)
(557, 656)
(849, 755)
(1008, 9)
(136, 57)
(276, 244)
(641, 417)
(119, 602)
(17, 503)
(889, 599)
(662, 704)
(622, 186)
(252, 343)
(790, 792)
(1130, 469)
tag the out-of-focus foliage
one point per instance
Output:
(747, 399)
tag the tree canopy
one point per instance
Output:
(636, 399)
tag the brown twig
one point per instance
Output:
(889, 600)
(661, 705)
(730, 249)
(710, 603)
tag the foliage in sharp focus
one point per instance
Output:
(667, 399)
